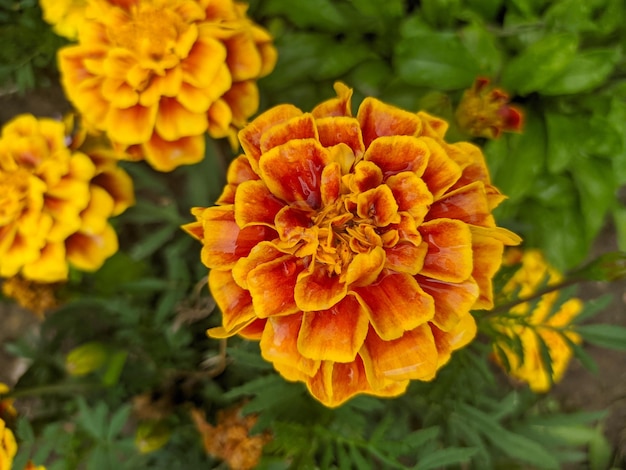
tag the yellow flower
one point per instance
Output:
(354, 248)
(530, 368)
(65, 16)
(55, 202)
(8, 447)
(230, 440)
(155, 75)
(34, 296)
(7, 411)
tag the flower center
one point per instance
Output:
(14, 188)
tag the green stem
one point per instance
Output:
(52, 389)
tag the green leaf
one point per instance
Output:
(566, 136)
(320, 14)
(342, 57)
(153, 242)
(118, 420)
(604, 335)
(483, 47)
(586, 71)
(600, 451)
(619, 219)
(445, 457)
(435, 60)
(537, 65)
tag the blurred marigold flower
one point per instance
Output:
(8, 446)
(31, 466)
(86, 358)
(353, 248)
(7, 411)
(37, 297)
(155, 75)
(65, 16)
(485, 111)
(542, 321)
(230, 440)
(55, 202)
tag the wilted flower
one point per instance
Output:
(8, 446)
(353, 248)
(230, 440)
(55, 202)
(34, 296)
(65, 16)
(540, 324)
(485, 111)
(155, 75)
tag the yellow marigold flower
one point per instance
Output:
(485, 111)
(230, 440)
(8, 447)
(55, 202)
(65, 16)
(34, 296)
(354, 248)
(155, 75)
(531, 275)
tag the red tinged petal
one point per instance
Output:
(339, 106)
(461, 335)
(166, 155)
(330, 186)
(366, 175)
(413, 356)
(405, 257)
(319, 290)
(293, 171)
(262, 253)
(335, 334)
(442, 172)
(254, 330)
(133, 125)
(395, 154)
(379, 119)
(240, 170)
(254, 204)
(272, 285)
(468, 203)
(395, 304)
(224, 242)
(279, 344)
(365, 267)
(488, 254)
(341, 130)
(299, 127)
(452, 300)
(379, 205)
(449, 256)
(471, 159)
(411, 194)
(174, 121)
(432, 126)
(250, 136)
(234, 302)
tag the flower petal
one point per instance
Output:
(341, 130)
(442, 172)
(272, 284)
(395, 304)
(379, 119)
(50, 266)
(411, 194)
(174, 121)
(449, 256)
(398, 153)
(165, 155)
(334, 334)
(243, 58)
(299, 127)
(379, 205)
(365, 267)
(132, 125)
(339, 106)
(467, 203)
(405, 257)
(88, 252)
(432, 126)
(318, 290)
(461, 335)
(234, 302)
(254, 204)
(197, 70)
(452, 300)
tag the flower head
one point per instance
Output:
(55, 202)
(8, 446)
(352, 247)
(65, 16)
(484, 111)
(155, 75)
(540, 324)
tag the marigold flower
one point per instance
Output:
(353, 248)
(31, 466)
(37, 297)
(65, 16)
(485, 111)
(55, 202)
(528, 325)
(7, 411)
(230, 440)
(155, 75)
(8, 447)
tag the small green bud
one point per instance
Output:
(86, 358)
(151, 436)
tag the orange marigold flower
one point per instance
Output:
(230, 440)
(8, 447)
(65, 16)
(354, 248)
(34, 296)
(485, 111)
(55, 202)
(527, 325)
(155, 75)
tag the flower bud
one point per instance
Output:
(86, 358)
(151, 436)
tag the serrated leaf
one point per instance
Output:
(604, 335)
(441, 458)
(117, 422)
(153, 242)
(537, 65)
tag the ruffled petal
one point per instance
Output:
(411, 194)
(254, 204)
(378, 119)
(398, 153)
(452, 300)
(461, 335)
(339, 106)
(379, 205)
(341, 130)
(197, 70)
(449, 256)
(442, 172)
(405, 257)
(132, 125)
(234, 302)
(318, 290)
(50, 266)
(166, 155)
(174, 121)
(299, 127)
(272, 285)
(88, 252)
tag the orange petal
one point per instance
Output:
(411, 194)
(196, 100)
(261, 253)
(174, 121)
(405, 257)
(365, 176)
(234, 302)
(341, 130)
(119, 93)
(203, 62)
(365, 267)
(254, 204)
(452, 300)
(395, 304)
(132, 125)
(488, 254)
(50, 266)
(330, 185)
(379, 119)
(335, 334)
(88, 252)
(254, 330)
(119, 185)
(220, 118)
(299, 127)
(379, 205)
(250, 136)
(243, 99)
(272, 285)
(471, 159)
(467, 203)
(295, 225)
(398, 153)
(432, 126)
(292, 171)
(449, 256)
(165, 155)
(243, 58)
(279, 344)
(442, 172)
(461, 335)
(224, 242)
(413, 356)
(339, 106)
(318, 290)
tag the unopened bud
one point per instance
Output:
(86, 358)
(151, 436)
